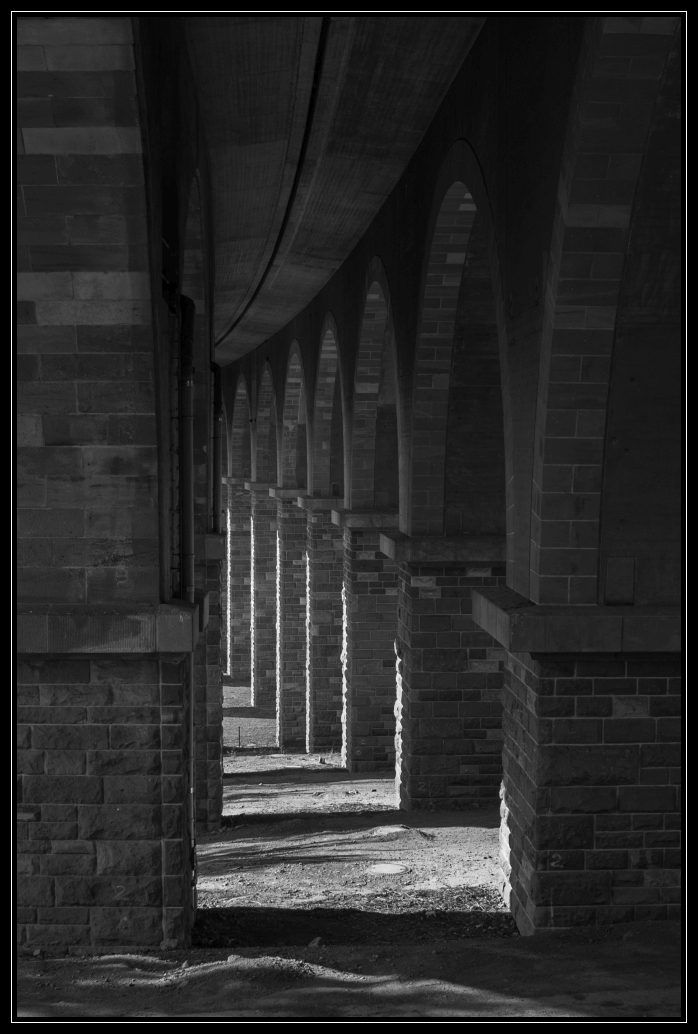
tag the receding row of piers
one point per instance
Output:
(342, 624)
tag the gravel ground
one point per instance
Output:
(610, 974)
(294, 921)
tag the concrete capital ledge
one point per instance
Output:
(119, 628)
(210, 546)
(437, 550)
(234, 481)
(521, 626)
(285, 493)
(311, 502)
(365, 519)
(259, 486)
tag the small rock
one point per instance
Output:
(185, 965)
(233, 958)
(37, 952)
(317, 942)
(626, 936)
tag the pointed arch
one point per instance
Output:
(239, 445)
(328, 417)
(375, 473)
(602, 164)
(460, 277)
(265, 444)
(294, 460)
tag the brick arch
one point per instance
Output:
(375, 410)
(619, 74)
(460, 194)
(294, 459)
(328, 417)
(474, 490)
(265, 445)
(239, 438)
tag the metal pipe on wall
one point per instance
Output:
(186, 446)
(192, 784)
(217, 449)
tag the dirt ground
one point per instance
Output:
(295, 921)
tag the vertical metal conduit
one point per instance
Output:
(186, 446)
(186, 481)
(217, 449)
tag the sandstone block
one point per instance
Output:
(70, 737)
(58, 789)
(595, 765)
(583, 799)
(65, 762)
(126, 789)
(30, 762)
(73, 31)
(67, 916)
(119, 856)
(109, 890)
(121, 925)
(564, 832)
(133, 737)
(83, 140)
(119, 822)
(123, 762)
(57, 934)
(647, 798)
(35, 891)
(67, 865)
(572, 888)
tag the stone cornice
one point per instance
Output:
(286, 493)
(365, 519)
(524, 627)
(437, 550)
(311, 502)
(120, 628)
(259, 486)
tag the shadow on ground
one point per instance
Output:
(609, 973)
(468, 916)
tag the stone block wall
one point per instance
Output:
(590, 825)
(368, 658)
(325, 544)
(102, 828)
(208, 708)
(86, 404)
(450, 689)
(291, 625)
(239, 583)
(263, 617)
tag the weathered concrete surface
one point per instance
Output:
(582, 976)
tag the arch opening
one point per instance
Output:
(294, 460)
(474, 488)
(328, 431)
(375, 470)
(265, 427)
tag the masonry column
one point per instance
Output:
(239, 582)
(104, 836)
(263, 548)
(325, 544)
(590, 829)
(208, 712)
(291, 608)
(368, 654)
(448, 708)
